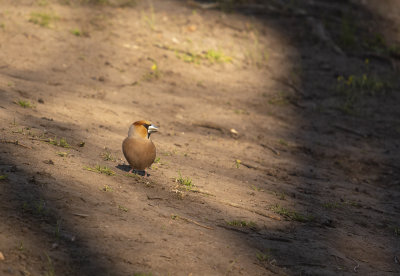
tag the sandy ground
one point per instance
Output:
(278, 150)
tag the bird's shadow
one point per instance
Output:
(127, 168)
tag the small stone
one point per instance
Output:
(1, 257)
(40, 100)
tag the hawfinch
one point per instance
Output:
(138, 149)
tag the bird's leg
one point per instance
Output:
(131, 170)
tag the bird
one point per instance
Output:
(138, 149)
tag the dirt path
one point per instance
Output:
(278, 151)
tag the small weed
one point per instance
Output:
(3, 177)
(214, 56)
(283, 142)
(20, 247)
(60, 143)
(99, 169)
(2, 26)
(292, 215)
(241, 112)
(106, 188)
(354, 88)
(20, 131)
(189, 57)
(40, 206)
(211, 56)
(377, 44)
(255, 188)
(122, 208)
(42, 19)
(280, 195)
(151, 19)
(50, 267)
(153, 74)
(62, 154)
(279, 99)
(237, 163)
(331, 205)
(63, 143)
(242, 223)
(186, 182)
(25, 104)
(263, 257)
(397, 231)
(76, 32)
(353, 203)
(107, 156)
(157, 160)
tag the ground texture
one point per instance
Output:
(278, 150)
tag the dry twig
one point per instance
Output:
(193, 221)
(271, 149)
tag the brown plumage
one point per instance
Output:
(138, 149)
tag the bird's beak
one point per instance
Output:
(152, 128)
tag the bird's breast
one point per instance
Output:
(140, 153)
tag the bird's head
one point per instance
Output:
(142, 129)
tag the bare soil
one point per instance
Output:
(278, 150)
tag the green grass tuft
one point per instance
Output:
(60, 143)
(354, 88)
(186, 182)
(42, 19)
(107, 188)
(76, 32)
(292, 215)
(215, 56)
(3, 177)
(331, 205)
(242, 223)
(99, 169)
(122, 208)
(107, 156)
(263, 257)
(25, 104)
